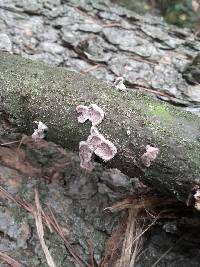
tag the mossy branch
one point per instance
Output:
(34, 91)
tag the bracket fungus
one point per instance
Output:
(102, 147)
(92, 113)
(97, 144)
(149, 156)
(41, 130)
(119, 84)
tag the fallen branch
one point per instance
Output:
(34, 91)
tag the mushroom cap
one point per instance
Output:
(102, 147)
(96, 114)
(106, 150)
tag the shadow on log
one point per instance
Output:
(34, 91)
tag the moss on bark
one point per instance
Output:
(35, 91)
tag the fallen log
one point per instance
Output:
(34, 91)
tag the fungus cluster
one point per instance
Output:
(96, 143)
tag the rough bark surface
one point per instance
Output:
(106, 41)
(34, 91)
(77, 200)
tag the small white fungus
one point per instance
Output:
(41, 130)
(119, 84)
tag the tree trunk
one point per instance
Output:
(34, 91)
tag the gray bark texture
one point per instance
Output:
(106, 40)
(34, 91)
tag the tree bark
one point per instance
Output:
(34, 91)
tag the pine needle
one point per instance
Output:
(40, 230)
(9, 260)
